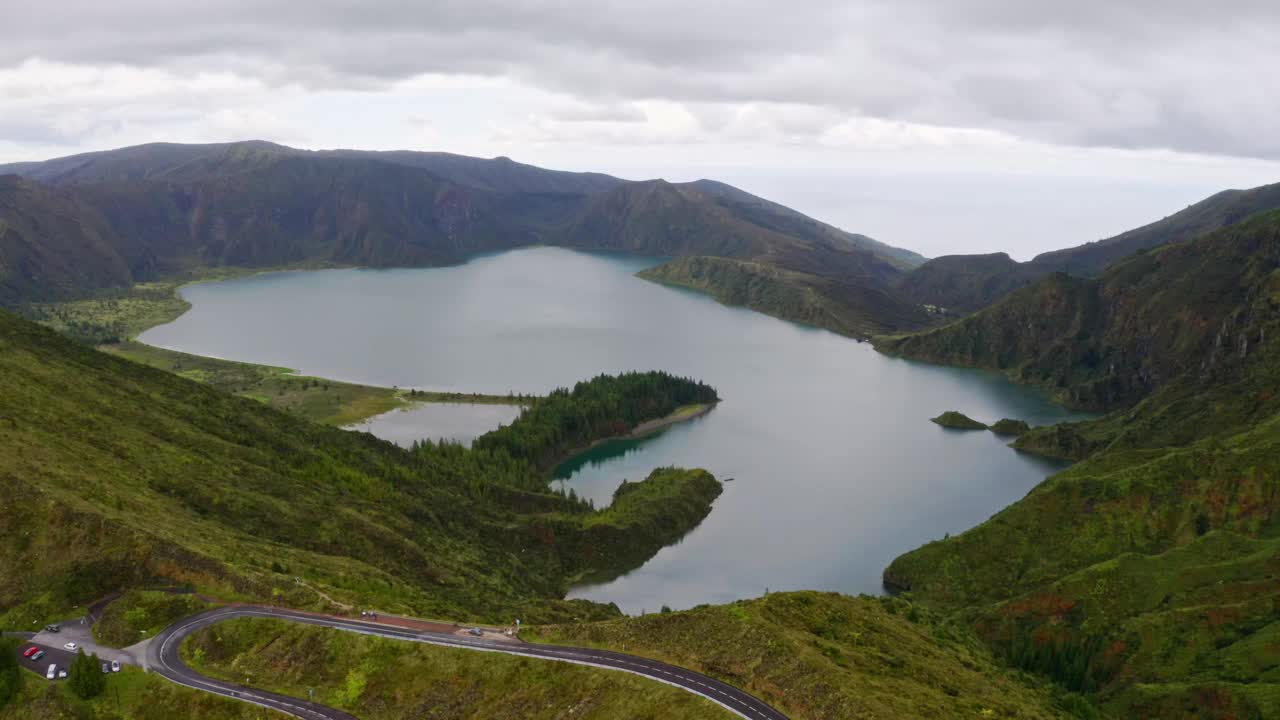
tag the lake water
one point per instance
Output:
(456, 422)
(836, 468)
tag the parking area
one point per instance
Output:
(53, 644)
(55, 655)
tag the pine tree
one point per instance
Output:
(85, 675)
(9, 680)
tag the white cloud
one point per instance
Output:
(1180, 74)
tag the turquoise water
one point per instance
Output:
(836, 468)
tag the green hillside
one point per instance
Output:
(1145, 575)
(118, 475)
(1108, 342)
(854, 309)
(965, 283)
(380, 679)
(1213, 213)
(823, 656)
(130, 695)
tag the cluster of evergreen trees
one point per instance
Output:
(1068, 661)
(603, 407)
(10, 682)
(85, 675)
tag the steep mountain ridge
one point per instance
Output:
(52, 244)
(176, 161)
(965, 283)
(1107, 342)
(1213, 213)
(1145, 575)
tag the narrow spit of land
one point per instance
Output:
(114, 321)
(681, 414)
(684, 413)
(315, 398)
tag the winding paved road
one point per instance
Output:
(163, 658)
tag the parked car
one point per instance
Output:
(106, 668)
(52, 672)
(115, 666)
(62, 673)
(39, 654)
(52, 628)
(31, 651)
(71, 646)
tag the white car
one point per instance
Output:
(71, 646)
(52, 672)
(62, 673)
(115, 666)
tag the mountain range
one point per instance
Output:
(102, 221)
(105, 220)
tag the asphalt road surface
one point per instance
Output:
(163, 658)
(52, 654)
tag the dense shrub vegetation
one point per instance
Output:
(143, 478)
(1145, 574)
(606, 406)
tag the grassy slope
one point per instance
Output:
(823, 655)
(380, 679)
(324, 401)
(855, 310)
(1146, 572)
(139, 614)
(114, 318)
(130, 695)
(114, 474)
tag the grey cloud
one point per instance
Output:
(1185, 75)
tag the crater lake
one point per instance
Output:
(835, 466)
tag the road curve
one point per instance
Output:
(163, 658)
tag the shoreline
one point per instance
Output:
(681, 414)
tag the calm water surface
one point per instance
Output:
(457, 422)
(836, 466)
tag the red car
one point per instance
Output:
(30, 651)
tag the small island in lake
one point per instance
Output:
(958, 421)
(1007, 426)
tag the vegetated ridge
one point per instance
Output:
(830, 657)
(117, 475)
(854, 308)
(1144, 575)
(965, 283)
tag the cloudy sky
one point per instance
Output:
(940, 125)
